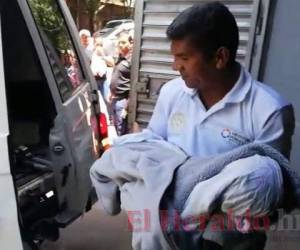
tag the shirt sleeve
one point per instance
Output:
(278, 129)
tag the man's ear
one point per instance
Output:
(222, 57)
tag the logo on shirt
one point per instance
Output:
(233, 137)
(226, 133)
(177, 122)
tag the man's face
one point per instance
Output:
(84, 40)
(194, 69)
(124, 45)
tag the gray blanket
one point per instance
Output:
(190, 174)
(146, 177)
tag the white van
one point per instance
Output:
(110, 25)
(50, 123)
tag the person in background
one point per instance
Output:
(72, 71)
(98, 45)
(120, 84)
(85, 40)
(100, 66)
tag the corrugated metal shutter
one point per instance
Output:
(152, 59)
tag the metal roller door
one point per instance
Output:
(151, 66)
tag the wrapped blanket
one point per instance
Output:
(151, 178)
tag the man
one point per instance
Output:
(85, 40)
(101, 66)
(120, 84)
(215, 106)
(98, 47)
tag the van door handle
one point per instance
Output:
(58, 148)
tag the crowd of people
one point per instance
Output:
(110, 66)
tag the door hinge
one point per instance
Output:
(143, 87)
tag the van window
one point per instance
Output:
(30, 104)
(59, 46)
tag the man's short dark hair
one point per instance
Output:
(209, 27)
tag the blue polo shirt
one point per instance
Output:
(250, 111)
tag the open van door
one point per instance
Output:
(73, 139)
(52, 104)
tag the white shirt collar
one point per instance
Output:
(189, 91)
(236, 94)
(240, 89)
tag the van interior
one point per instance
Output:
(31, 114)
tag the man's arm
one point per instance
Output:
(278, 129)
